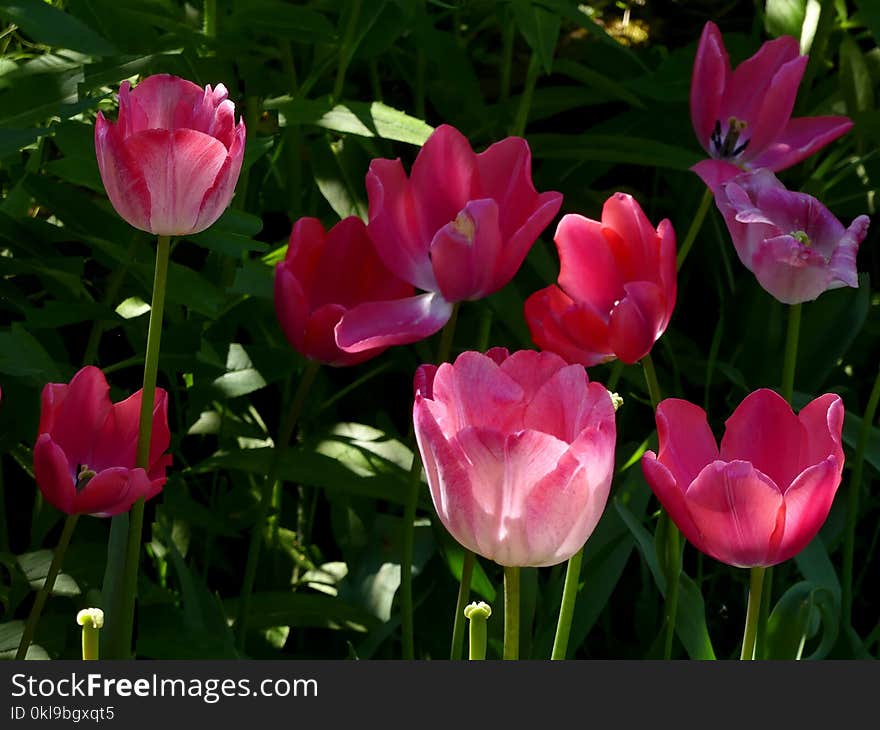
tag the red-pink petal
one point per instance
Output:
(801, 137)
(708, 83)
(588, 268)
(53, 473)
(671, 496)
(291, 305)
(121, 174)
(637, 321)
(686, 441)
(573, 331)
(822, 421)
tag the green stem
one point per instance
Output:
(346, 51)
(511, 612)
(651, 380)
(673, 573)
(566, 610)
(271, 482)
(756, 585)
(91, 620)
(852, 503)
(791, 347)
(478, 614)
(464, 591)
(46, 589)
(209, 18)
(444, 349)
(696, 225)
(525, 101)
(120, 628)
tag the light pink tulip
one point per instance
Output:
(742, 117)
(617, 286)
(323, 276)
(791, 242)
(765, 495)
(171, 160)
(458, 228)
(84, 457)
(518, 451)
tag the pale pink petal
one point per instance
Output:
(790, 271)
(122, 175)
(396, 322)
(218, 196)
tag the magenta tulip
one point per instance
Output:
(323, 276)
(84, 457)
(765, 495)
(791, 242)
(458, 228)
(171, 160)
(743, 118)
(617, 286)
(518, 451)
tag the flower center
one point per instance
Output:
(725, 146)
(83, 476)
(464, 225)
(802, 238)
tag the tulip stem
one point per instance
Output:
(120, 619)
(43, 594)
(791, 348)
(525, 100)
(651, 380)
(511, 612)
(756, 585)
(478, 614)
(696, 225)
(464, 591)
(270, 484)
(852, 502)
(566, 610)
(209, 18)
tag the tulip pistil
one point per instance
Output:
(726, 146)
(83, 476)
(802, 238)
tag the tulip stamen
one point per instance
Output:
(83, 476)
(725, 146)
(464, 225)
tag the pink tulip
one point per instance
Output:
(518, 451)
(743, 118)
(766, 494)
(458, 228)
(84, 457)
(791, 242)
(171, 160)
(617, 286)
(321, 278)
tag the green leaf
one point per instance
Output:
(855, 78)
(540, 27)
(53, 27)
(334, 180)
(794, 620)
(784, 17)
(620, 149)
(367, 119)
(35, 566)
(302, 610)
(282, 20)
(10, 638)
(22, 355)
(869, 14)
(12, 140)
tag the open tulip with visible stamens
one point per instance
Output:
(171, 160)
(518, 451)
(458, 228)
(742, 117)
(792, 243)
(84, 457)
(617, 286)
(764, 495)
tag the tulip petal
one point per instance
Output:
(504, 173)
(686, 441)
(791, 272)
(671, 496)
(532, 370)
(588, 269)
(180, 166)
(714, 173)
(709, 80)
(122, 175)
(558, 406)
(291, 305)
(218, 196)
(631, 238)
(739, 512)
(822, 421)
(395, 224)
(166, 101)
(112, 492)
(397, 322)
(637, 321)
(572, 330)
(442, 178)
(807, 504)
(764, 431)
(801, 137)
(517, 246)
(464, 252)
(53, 473)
